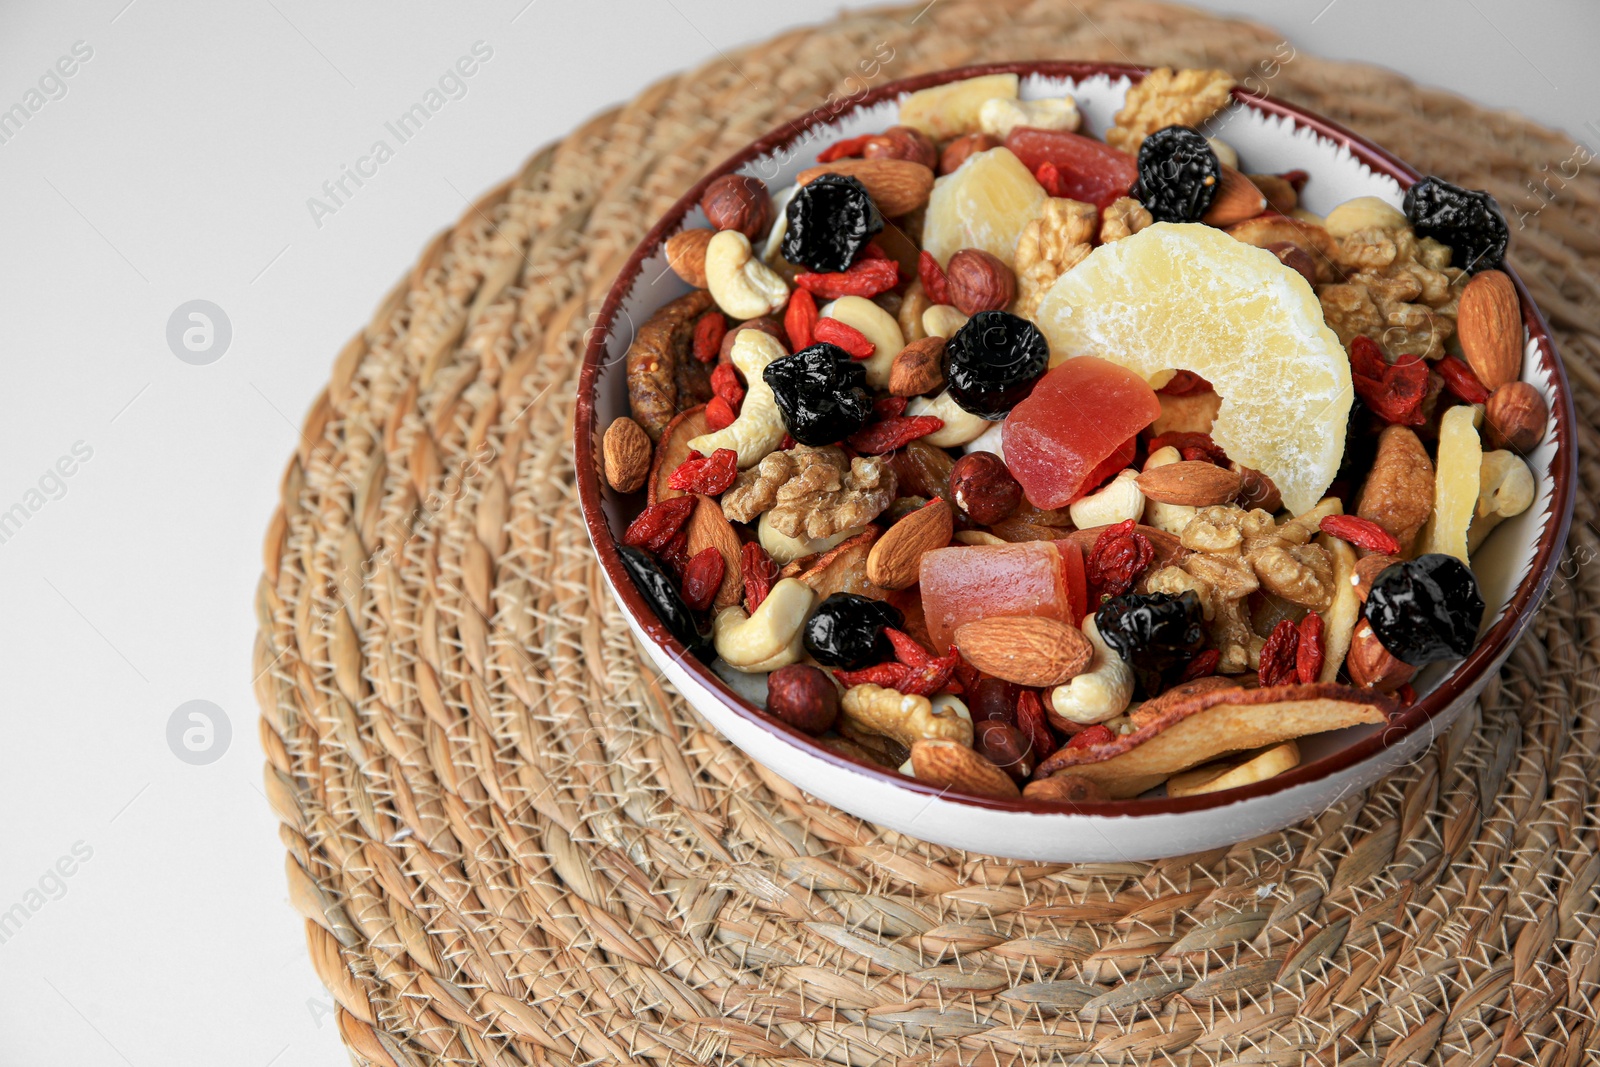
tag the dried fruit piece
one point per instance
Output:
(1426, 609)
(657, 589)
(1363, 533)
(841, 335)
(821, 393)
(1468, 220)
(719, 414)
(868, 277)
(1395, 391)
(933, 279)
(1309, 650)
(657, 524)
(829, 220)
(702, 577)
(1456, 482)
(983, 205)
(1156, 634)
(891, 433)
(800, 319)
(949, 110)
(758, 572)
(967, 582)
(1034, 725)
(993, 361)
(1215, 777)
(847, 630)
(1204, 665)
(1120, 554)
(1278, 655)
(1178, 175)
(1460, 381)
(1081, 167)
(710, 475)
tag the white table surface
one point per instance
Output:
(175, 163)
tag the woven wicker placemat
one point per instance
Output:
(513, 845)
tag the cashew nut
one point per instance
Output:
(1227, 155)
(1101, 692)
(785, 549)
(990, 440)
(769, 639)
(877, 326)
(906, 717)
(1001, 115)
(1505, 488)
(741, 284)
(1169, 517)
(780, 224)
(759, 427)
(1119, 501)
(960, 425)
(1364, 213)
(942, 320)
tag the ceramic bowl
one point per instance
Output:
(1515, 566)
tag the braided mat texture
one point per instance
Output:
(512, 845)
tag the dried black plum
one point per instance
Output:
(1468, 220)
(1178, 175)
(993, 361)
(846, 631)
(830, 219)
(1156, 634)
(821, 393)
(659, 592)
(1425, 609)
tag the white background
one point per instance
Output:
(177, 166)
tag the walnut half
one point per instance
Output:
(812, 492)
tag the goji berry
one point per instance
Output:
(706, 474)
(759, 572)
(1308, 657)
(702, 577)
(852, 340)
(893, 433)
(1461, 381)
(933, 677)
(1184, 383)
(719, 414)
(888, 675)
(845, 149)
(800, 318)
(657, 523)
(725, 383)
(1202, 666)
(870, 250)
(1363, 533)
(1120, 554)
(1033, 724)
(934, 283)
(786, 442)
(1277, 665)
(887, 407)
(1394, 392)
(1049, 176)
(906, 648)
(1191, 446)
(867, 277)
(1098, 734)
(674, 555)
(708, 334)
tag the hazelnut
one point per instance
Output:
(918, 368)
(979, 281)
(1515, 417)
(1256, 490)
(982, 487)
(1295, 258)
(766, 324)
(902, 142)
(1367, 570)
(956, 152)
(738, 202)
(1065, 788)
(802, 696)
(1371, 666)
(1005, 746)
(686, 255)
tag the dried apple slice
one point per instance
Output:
(1229, 774)
(843, 569)
(1455, 494)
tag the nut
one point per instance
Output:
(1064, 787)
(1117, 501)
(772, 637)
(961, 770)
(1236, 199)
(902, 142)
(804, 697)
(897, 186)
(942, 320)
(1256, 490)
(686, 255)
(626, 449)
(982, 486)
(1505, 489)
(1398, 493)
(741, 284)
(765, 323)
(1489, 325)
(1364, 213)
(909, 315)
(1099, 693)
(709, 528)
(1367, 570)
(906, 717)
(1191, 482)
(897, 557)
(979, 281)
(960, 425)
(918, 368)
(1006, 747)
(968, 144)
(1031, 650)
(877, 326)
(1515, 417)
(759, 427)
(1278, 190)
(1263, 231)
(1295, 258)
(738, 202)
(1371, 666)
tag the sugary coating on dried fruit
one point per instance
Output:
(1178, 175)
(1425, 609)
(829, 220)
(1166, 98)
(846, 631)
(1052, 244)
(1123, 217)
(659, 592)
(1468, 220)
(993, 361)
(821, 392)
(1156, 634)
(812, 492)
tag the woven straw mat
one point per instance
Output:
(512, 844)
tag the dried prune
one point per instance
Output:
(821, 393)
(1156, 634)
(830, 219)
(1425, 609)
(846, 631)
(993, 361)
(1178, 175)
(658, 591)
(1468, 220)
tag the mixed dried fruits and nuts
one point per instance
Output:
(1024, 462)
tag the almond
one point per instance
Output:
(918, 368)
(1489, 324)
(626, 452)
(686, 255)
(897, 186)
(1030, 650)
(710, 528)
(1191, 482)
(1237, 199)
(896, 559)
(953, 766)
(1515, 417)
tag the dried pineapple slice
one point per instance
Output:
(946, 111)
(1456, 479)
(1214, 777)
(1505, 488)
(984, 204)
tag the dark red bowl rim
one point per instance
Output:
(1494, 643)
